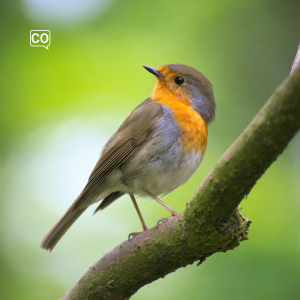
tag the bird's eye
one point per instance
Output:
(179, 80)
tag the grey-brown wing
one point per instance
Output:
(130, 137)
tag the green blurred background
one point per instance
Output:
(59, 106)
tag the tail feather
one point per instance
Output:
(60, 228)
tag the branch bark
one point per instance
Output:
(211, 221)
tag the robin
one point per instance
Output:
(156, 149)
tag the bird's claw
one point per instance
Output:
(132, 234)
(163, 220)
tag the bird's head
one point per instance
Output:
(187, 85)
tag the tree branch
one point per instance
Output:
(211, 221)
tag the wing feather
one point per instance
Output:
(131, 136)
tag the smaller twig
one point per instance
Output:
(296, 61)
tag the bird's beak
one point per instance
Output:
(154, 72)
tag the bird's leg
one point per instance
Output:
(172, 211)
(133, 234)
(138, 212)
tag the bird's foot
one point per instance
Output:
(163, 220)
(132, 235)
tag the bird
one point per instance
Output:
(156, 149)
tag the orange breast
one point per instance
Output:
(193, 128)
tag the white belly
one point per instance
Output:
(166, 176)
